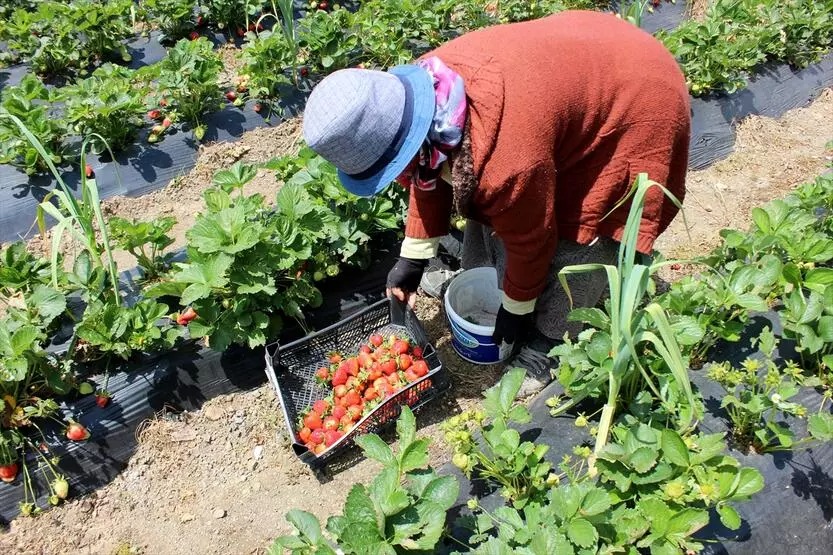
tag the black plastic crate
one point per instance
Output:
(291, 371)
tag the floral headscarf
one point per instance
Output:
(446, 129)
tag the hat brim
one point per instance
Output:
(423, 113)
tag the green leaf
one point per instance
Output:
(48, 302)
(306, 523)
(443, 491)
(500, 397)
(761, 219)
(750, 482)
(582, 533)
(687, 521)
(406, 427)
(729, 517)
(643, 459)
(595, 502)
(359, 507)
(375, 448)
(820, 426)
(674, 448)
(593, 316)
(23, 339)
(414, 456)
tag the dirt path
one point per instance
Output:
(220, 480)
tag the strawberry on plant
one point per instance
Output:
(102, 398)
(200, 21)
(154, 114)
(61, 487)
(163, 102)
(323, 5)
(187, 316)
(194, 35)
(88, 170)
(258, 107)
(304, 72)
(8, 472)
(231, 96)
(241, 32)
(166, 123)
(77, 432)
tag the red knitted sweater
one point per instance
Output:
(564, 112)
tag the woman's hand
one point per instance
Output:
(404, 278)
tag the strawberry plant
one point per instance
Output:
(29, 103)
(110, 330)
(103, 26)
(146, 241)
(21, 271)
(107, 107)
(267, 59)
(242, 273)
(188, 81)
(231, 15)
(175, 18)
(403, 509)
(327, 39)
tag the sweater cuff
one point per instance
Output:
(419, 249)
(518, 307)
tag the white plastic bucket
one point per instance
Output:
(472, 301)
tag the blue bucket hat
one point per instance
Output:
(370, 124)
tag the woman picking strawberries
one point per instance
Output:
(532, 131)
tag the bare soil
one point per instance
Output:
(220, 480)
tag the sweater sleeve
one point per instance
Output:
(429, 212)
(524, 219)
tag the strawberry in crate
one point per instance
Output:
(383, 367)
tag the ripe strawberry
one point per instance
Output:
(61, 487)
(365, 349)
(258, 107)
(331, 423)
(352, 366)
(312, 420)
(353, 398)
(341, 401)
(102, 398)
(323, 5)
(304, 434)
(393, 379)
(317, 436)
(354, 412)
(8, 472)
(231, 96)
(331, 436)
(320, 448)
(420, 368)
(364, 360)
(400, 347)
(416, 352)
(340, 377)
(241, 32)
(410, 376)
(310, 445)
(380, 384)
(88, 170)
(374, 374)
(346, 422)
(335, 358)
(154, 114)
(321, 406)
(186, 316)
(200, 21)
(77, 432)
(388, 367)
(252, 27)
(404, 362)
(322, 374)
(376, 340)
(166, 123)
(370, 393)
(163, 102)
(340, 390)
(339, 412)
(304, 72)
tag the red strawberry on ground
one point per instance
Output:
(77, 432)
(154, 114)
(166, 123)
(8, 472)
(102, 398)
